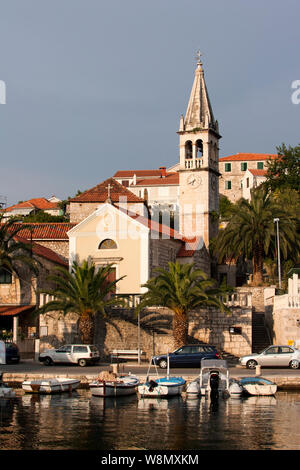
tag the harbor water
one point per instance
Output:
(81, 422)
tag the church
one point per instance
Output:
(139, 220)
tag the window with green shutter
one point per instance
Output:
(260, 165)
(244, 166)
(227, 167)
(227, 184)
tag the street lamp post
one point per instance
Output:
(278, 251)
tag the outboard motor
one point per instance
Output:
(214, 380)
(152, 385)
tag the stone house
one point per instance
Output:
(19, 297)
(32, 206)
(52, 235)
(252, 179)
(234, 168)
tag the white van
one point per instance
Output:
(81, 354)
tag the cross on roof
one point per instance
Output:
(198, 56)
(108, 187)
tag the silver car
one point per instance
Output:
(280, 356)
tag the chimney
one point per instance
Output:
(163, 171)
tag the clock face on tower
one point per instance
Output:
(193, 181)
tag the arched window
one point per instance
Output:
(107, 244)
(188, 149)
(146, 194)
(199, 148)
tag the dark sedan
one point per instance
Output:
(187, 356)
(12, 353)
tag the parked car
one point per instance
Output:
(12, 353)
(280, 356)
(187, 356)
(81, 354)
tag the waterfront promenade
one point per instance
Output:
(15, 374)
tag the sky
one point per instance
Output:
(93, 86)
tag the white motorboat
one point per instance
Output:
(258, 386)
(5, 390)
(161, 387)
(56, 385)
(114, 386)
(214, 378)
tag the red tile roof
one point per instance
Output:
(258, 172)
(45, 231)
(8, 310)
(152, 224)
(37, 203)
(44, 252)
(248, 157)
(100, 193)
(170, 178)
(189, 246)
(138, 173)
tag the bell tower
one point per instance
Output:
(199, 163)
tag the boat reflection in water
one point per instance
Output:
(79, 421)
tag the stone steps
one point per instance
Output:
(260, 337)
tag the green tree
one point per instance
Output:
(225, 206)
(44, 217)
(85, 291)
(14, 252)
(181, 288)
(251, 232)
(284, 172)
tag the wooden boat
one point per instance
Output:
(161, 387)
(57, 385)
(214, 378)
(115, 386)
(258, 386)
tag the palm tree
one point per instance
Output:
(85, 291)
(181, 288)
(251, 232)
(14, 252)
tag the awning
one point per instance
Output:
(10, 310)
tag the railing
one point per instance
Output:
(286, 301)
(240, 299)
(294, 301)
(193, 163)
(130, 300)
(45, 298)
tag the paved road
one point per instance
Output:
(33, 367)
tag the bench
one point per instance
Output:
(126, 354)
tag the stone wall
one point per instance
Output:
(120, 331)
(162, 252)
(22, 290)
(61, 247)
(286, 325)
(56, 330)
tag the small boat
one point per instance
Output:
(57, 385)
(112, 385)
(5, 390)
(161, 387)
(258, 386)
(214, 379)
